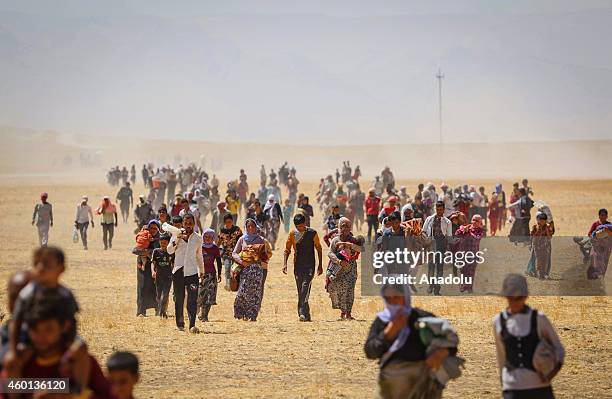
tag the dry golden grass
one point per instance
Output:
(278, 356)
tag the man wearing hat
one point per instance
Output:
(84, 216)
(529, 352)
(303, 241)
(43, 218)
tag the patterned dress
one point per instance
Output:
(542, 236)
(469, 242)
(341, 289)
(250, 289)
(248, 297)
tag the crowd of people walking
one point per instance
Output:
(179, 249)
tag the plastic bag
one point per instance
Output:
(75, 235)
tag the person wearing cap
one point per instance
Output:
(84, 216)
(529, 351)
(303, 241)
(43, 219)
(439, 228)
(125, 196)
(108, 211)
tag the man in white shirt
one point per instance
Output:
(439, 228)
(188, 267)
(84, 216)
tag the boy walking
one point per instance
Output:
(162, 263)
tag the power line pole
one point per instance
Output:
(439, 76)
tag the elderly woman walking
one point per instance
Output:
(343, 253)
(251, 254)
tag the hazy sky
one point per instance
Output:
(317, 71)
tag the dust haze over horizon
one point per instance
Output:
(315, 73)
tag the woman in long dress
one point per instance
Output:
(469, 242)
(251, 254)
(342, 273)
(146, 295)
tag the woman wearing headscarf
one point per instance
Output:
(207, 294)
(251, 254)
(469, 242)
(273, 220)
(344, 250)
(600, 234)
(415, 239)
(406, 362)
(541, 235)
(495, 213)
(146, 295)
(501, 198)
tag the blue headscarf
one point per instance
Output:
(155, 222)
(498, 188)
(391, 311)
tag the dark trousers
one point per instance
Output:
(82, 227)
(436, 267)
(182, 284)
(108, 230)
(162, 288)
(372, 225)
(125, 210)
(303, 281)
(535, 393)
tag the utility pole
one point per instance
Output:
(439, 76)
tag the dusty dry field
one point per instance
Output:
(277, 356)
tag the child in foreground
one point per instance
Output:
(50, 326)
(123, 374)
(48, 266)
